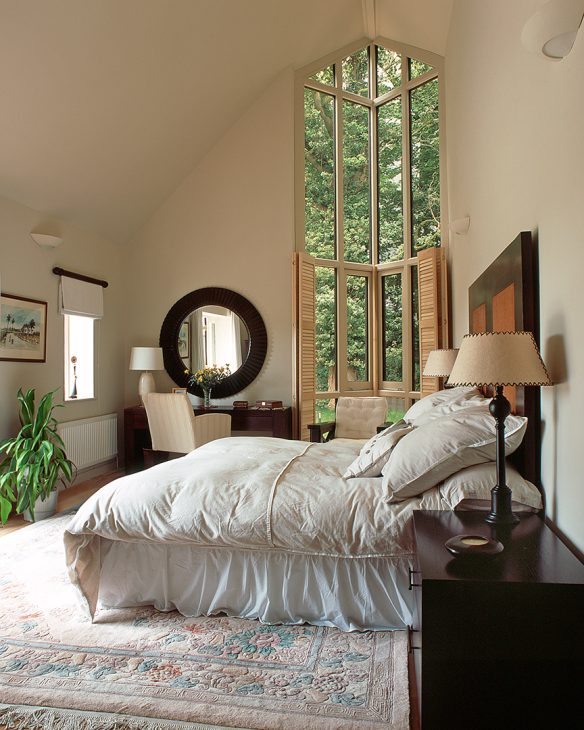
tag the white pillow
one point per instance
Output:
(470, 488)
(375, 453)
(450, 407)
(431, 453)
(442, 397)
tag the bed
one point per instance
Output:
(291, 532)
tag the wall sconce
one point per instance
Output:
(460, 226)
(552, 30)
(46, 240)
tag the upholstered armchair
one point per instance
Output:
(174, 428)
(356, 418)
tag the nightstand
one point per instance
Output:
(499, 642)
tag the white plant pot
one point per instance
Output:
(43, 508)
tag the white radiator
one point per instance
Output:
(90, 441)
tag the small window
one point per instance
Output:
(79, 348)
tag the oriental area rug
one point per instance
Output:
(139, 668)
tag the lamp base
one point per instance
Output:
(501, 496)
(146, 385)
(501, 512)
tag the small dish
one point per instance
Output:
(473, 546)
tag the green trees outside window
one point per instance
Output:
(372, 201)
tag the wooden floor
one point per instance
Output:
(72, 497)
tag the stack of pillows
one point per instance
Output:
(446, 439)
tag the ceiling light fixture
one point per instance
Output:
(46, 240)
(551, 31)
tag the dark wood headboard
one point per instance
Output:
(505, 298)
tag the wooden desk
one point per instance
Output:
(277, 422)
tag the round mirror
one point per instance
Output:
(213, 335)
(214, 326)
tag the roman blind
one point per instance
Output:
(80, 298)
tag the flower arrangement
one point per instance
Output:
(207, 378)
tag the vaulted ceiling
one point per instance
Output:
(107, 105)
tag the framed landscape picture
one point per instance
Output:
(184, 340)
(23, 329)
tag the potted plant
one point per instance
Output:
(34, 460)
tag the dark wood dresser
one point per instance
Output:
(498, 642)
(269, 422)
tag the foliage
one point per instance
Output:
(320, 206)
(425, 156)
(35, 459)
(392, 341)
(208, 378)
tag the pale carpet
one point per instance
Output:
(141, 663)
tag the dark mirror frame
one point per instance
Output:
(258, 338)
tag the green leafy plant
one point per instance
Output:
(34, 460)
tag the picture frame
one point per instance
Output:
(184, 340)
(180, 391)
(23, 329)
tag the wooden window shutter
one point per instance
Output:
(433, 330)
(304, 339)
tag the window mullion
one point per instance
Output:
(339, 177)
(373, 333)
(407, 175)
(390, 96)
(407, 331)
(422, 79)
(342, 327)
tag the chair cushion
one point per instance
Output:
(358, 418)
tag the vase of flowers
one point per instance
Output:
(207, 378)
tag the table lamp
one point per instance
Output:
(439, 363)
(146, 359)
(499, 359)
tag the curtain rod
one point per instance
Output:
(72, 275)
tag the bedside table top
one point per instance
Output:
(532, 552)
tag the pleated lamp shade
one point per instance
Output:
(439, 363)
(499, 358)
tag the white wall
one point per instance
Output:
(230, 224)
(516, 162)
(26, 270)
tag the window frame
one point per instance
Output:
(373, 270)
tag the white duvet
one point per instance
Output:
(262, 494)
(254, 493)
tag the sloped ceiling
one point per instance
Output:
(107, 105)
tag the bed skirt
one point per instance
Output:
(274, 587)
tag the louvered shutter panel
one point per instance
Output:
(305, 356)
(431, 275)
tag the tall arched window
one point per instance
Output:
(369, 200)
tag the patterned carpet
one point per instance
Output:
(216, 670)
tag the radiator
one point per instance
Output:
(90, 441)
